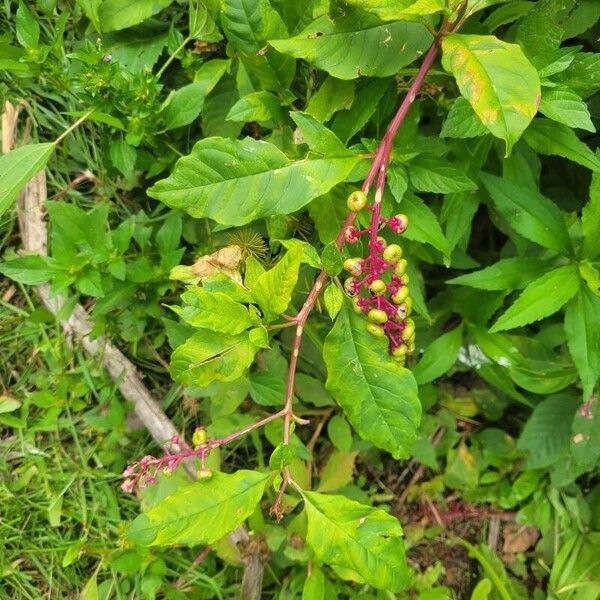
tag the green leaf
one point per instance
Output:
(215, 311)
(8, 404)
(379, 398)
(183, 105)
(555, 139)
(462, 122)
(424, 225)
(91, 10)
(211, 356)
(235, 182)
(28, 28)
(116, 14)
(31, 270)
(18, 167)
(585, 431)
(498, 81)
(541, 298)
(256, 106)
(273, 288)
(547, 433)
(332, 259)
(268, 382)
(439, 356)
(248, 25)
(529, 213)
(398, 10)
(357, 539)
(357, 44)
(590, 220)
(123, 156)
(565, 106)
(314, 586)
(202, 21)
(318, 137)
(582, 326)
(202, 512)
(334, 299)
(428, 173)
(333, 95)
(506, 274)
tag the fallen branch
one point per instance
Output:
(34, 236)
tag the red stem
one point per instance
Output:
(379, 166)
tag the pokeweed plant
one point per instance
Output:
(237, 182)
(491, 98)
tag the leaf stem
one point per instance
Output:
(77, 123)
(172, 57)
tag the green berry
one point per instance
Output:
(409, 306)
(399, 360)
(401, 267)
(401, 295)
(352, 265)
(411, 347)
(400, 351)
(375, 330)
(378, 316)
(378, 286)
(357, 201)
(392, 254)
(199, 437)
(204, 474)
(408, 333)
(404, 280)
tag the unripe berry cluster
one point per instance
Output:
(379, 282)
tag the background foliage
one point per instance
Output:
(246, 123)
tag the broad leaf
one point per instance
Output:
(31, 270)
(200, 513)
(439, 356)
(249, 24)
(397, 10)
(529, 213)
(357, 44)
(116, 14)
(214, 310)
(18, 167)
(379, 398)
(582, 325)
(235, 182)
(183, 106)
(333, 95)
(556, 139)
(506, 274)
(211, 356)
(547, 433)
(357, 539)
(564, 106)
(428, 173)
(318, 137)
(462, 122)
(257, 106)
(541, 298)
(590, 220)
(273, 288)
(424, 225)
(498, 81)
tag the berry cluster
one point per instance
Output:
(145, 471)
(379, 283)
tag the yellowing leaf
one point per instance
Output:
(496, 78)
